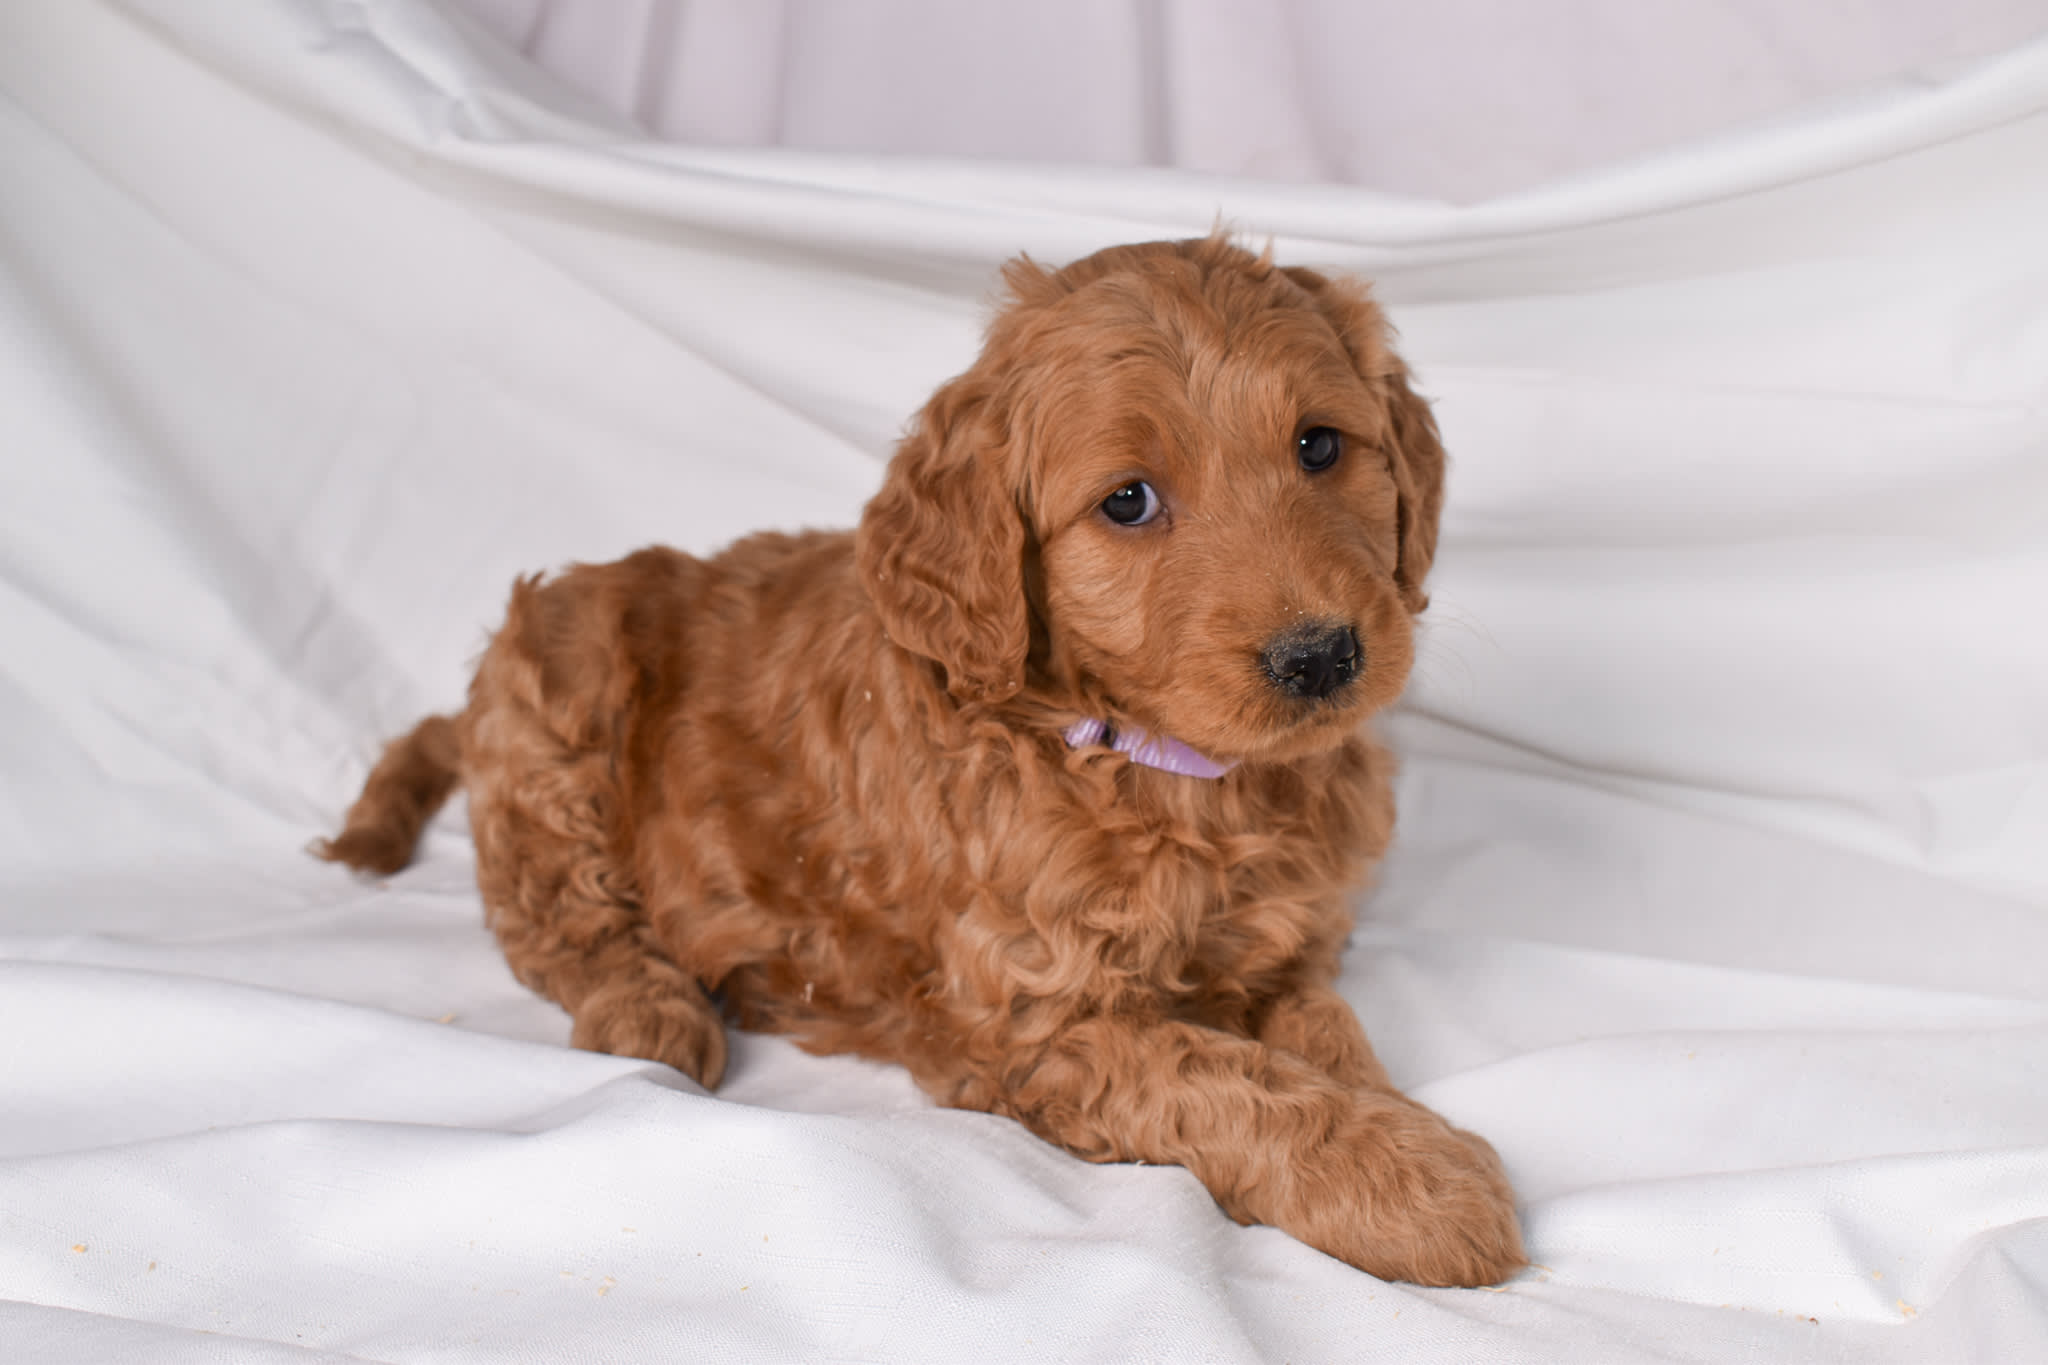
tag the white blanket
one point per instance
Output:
(1720, 902)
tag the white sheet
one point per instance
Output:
(1721, 897)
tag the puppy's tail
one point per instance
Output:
(406, 787)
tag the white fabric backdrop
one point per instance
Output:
(1721, 896)
(1459, 99)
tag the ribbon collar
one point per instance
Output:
(1153, 751)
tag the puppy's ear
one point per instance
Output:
(940, 548)
(1416, 453)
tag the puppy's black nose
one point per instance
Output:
(1314, 661)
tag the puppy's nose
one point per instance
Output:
(1314, 661)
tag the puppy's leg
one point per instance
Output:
(569, 919)
(629, 999)
(1317, 1023)
(1364, 1174)
(626, 995)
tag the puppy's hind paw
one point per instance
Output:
(680, 1030)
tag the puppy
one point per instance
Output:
(1050, 782)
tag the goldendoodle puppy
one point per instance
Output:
(1051, 782)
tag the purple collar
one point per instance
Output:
(1165, 753)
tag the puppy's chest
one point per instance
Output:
(1259, 905)
(1175, 898)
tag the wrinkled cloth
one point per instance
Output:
(1719, 901)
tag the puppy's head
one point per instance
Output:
(1182, 487)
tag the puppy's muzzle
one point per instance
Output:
(1314, 661)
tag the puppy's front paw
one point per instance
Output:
(1404, 1196)
(1475, 1236)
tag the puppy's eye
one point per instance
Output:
(1132, 505)
(1318, 448)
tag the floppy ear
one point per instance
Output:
(940, 548)
(1416, 452)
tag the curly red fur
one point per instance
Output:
(818, 784)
